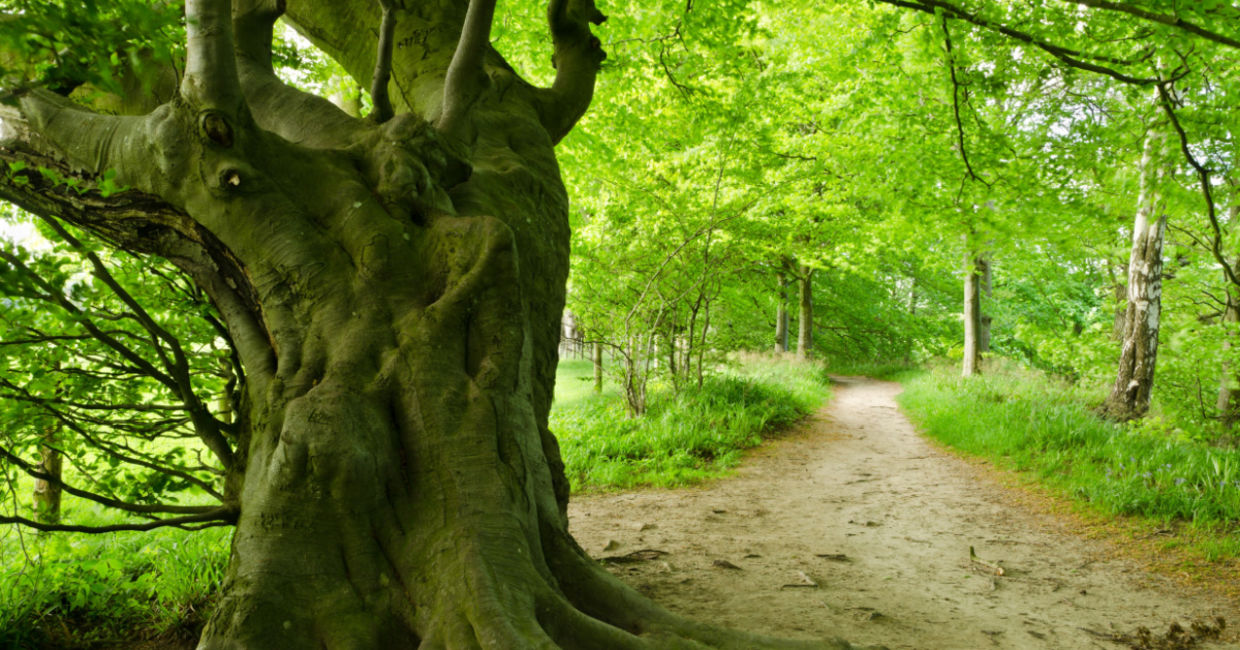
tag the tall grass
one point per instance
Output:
(74, 590)
(684, 437)
(1031, 423)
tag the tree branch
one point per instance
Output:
(1166, 102)
(178, 368)
(295, 115)
(214, 517)
(1163, 19)
(211, 81)
(951, 66)
(55, 296)
(383, 64)
(1071, 57)
(135, 508)
(466, 78)
(578, 55)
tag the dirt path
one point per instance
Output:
(859, 504)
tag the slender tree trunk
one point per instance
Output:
(912, 311)
(598, 366)
(1130, 396)
(972, 312)
(47, 493)
(781, 315)
(701, 347)
(805, 321)
(1229, 384)
(983, 337)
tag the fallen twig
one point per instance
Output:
(993, 567)
(643, 555)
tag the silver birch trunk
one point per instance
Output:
(1130, 397)
(970, 365)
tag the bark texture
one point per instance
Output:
(973, 324)
(984, 276)
(47, 493)
(1130, 396)
(781, 315)
(1228, 403)
(596, 351)
(394, 289)
(805, 318)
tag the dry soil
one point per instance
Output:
(855, 526)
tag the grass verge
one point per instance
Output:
(697, 434)
(112, 590)
(1029, 423)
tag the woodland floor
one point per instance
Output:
(882, 521)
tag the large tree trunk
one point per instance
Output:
(1130, 396)
(390, 472)
(805, 320)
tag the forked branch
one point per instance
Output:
(320, 124)
(1073, 58)
(951, 66)
(215, 517)
(1167, 103)
(1162, 19)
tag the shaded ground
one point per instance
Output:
(882, 523)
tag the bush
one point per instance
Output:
(684, 437)
(73, 590)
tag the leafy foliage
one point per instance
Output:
(684, 437)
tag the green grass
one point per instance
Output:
(74, 590)
(1030, 423)
(695, 435)
(888, 371)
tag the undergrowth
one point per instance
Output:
(155, 589)
(1031, 423)
(76, 590)
(696, 434)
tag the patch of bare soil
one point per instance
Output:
(857, 527)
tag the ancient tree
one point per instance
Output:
(393, 287)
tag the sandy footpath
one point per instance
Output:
(881, 522)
